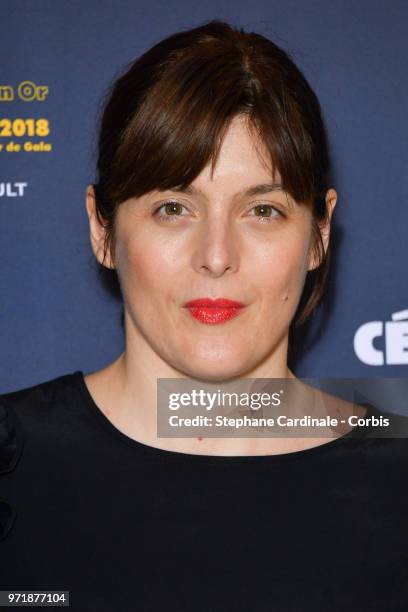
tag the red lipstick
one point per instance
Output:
(207, 310)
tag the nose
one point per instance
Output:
(216, 250)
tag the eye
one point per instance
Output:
(170, 209)
(265, 212)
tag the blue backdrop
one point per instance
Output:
(58, 58)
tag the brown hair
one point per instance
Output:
(164, 119)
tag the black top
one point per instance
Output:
(126, 527)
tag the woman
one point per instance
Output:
(213, 206)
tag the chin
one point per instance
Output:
(214, 370)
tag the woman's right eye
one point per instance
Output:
(170, 209)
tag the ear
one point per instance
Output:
(96, 230)
(331, 200)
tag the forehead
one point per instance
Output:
(242, 168)
(242, 151)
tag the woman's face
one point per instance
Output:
(218, 241)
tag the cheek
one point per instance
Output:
(145, 265)
(281, 268)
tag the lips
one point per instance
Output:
(210, 311)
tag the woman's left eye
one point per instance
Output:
(265, 212)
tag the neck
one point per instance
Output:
(126, 392)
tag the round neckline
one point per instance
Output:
(78, 378)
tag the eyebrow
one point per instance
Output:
(251, 191)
